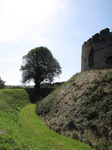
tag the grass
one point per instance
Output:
(44, 137)
(11, 102)
(21, 128)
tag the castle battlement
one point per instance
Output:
(103, 36)
(97, 51)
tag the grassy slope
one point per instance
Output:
(21, 129)
(43, 137)
(82, 108)
(11, 102)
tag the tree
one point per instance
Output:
(2, 83)
(40, 66)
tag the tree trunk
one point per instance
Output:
(37, 85)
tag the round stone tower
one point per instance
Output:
(97, 51)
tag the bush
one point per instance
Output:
(2, 83)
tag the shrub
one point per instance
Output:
(2, 83)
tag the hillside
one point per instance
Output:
(82, 108)
(21, 128)
(11, 102)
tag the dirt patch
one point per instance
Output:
(3, 132)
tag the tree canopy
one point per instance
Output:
(39, 66)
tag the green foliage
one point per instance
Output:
(2, 83)
(40, 66)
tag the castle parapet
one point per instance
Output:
(97, 51)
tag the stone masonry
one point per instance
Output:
(97, 51)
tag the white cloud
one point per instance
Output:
(25, 18)
(12, 79)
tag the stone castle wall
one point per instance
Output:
(97, 51)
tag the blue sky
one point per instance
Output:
(60, 25)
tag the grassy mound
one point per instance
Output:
(82, 108)
(11, 102)
(21, 128)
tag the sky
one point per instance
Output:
(60, 25)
